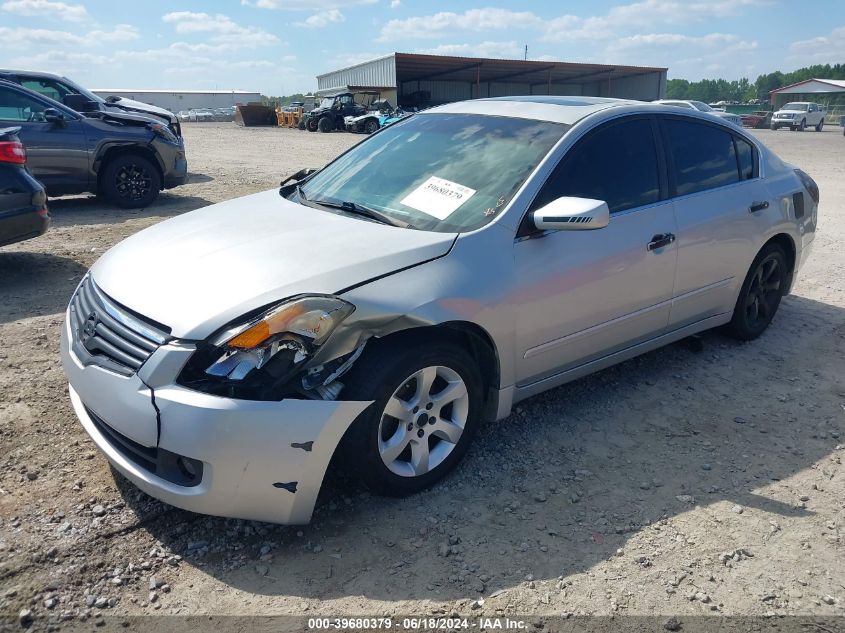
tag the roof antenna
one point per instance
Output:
(526, 51)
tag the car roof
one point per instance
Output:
(31, 73)
(551, 108)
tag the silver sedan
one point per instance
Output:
(379, 309)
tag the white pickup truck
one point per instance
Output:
(799, 115)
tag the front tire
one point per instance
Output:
(428, 399)
(803, 125)
(130, 181)
(760, 294)
(325, 124)
(371, 126)
(820, 126)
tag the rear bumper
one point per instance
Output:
(260, 460)
(17, 227)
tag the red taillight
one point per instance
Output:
(12, 152)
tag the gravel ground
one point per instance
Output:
(704, 477)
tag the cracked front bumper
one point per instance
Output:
(260, 460)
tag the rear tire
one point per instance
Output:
(760, 294)
(325, 124)
(393, 446)
(130, 181)
(311, 125)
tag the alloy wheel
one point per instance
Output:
(763, 293)
(133, 182)
(423, 421)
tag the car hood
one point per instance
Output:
(138, 106)
(791, 112)
(201, 270)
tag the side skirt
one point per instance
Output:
(513, 394)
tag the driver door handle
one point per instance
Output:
(758, 206)
(660, 240)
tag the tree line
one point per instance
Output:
(714, 90)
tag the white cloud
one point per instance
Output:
(618, 20)
(21, 37)
(304, 5)
(444, 22)
(828, 48)
(46, 8)
(320, 20)
(62, 62)
(120, 33)
(501, 50)
(222, 29)
(677, 39)
(395, 4)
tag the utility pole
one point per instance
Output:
(526, 52)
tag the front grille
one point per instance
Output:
(175, 468)
(108, 335)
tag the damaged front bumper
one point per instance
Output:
(221, 456)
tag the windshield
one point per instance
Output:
(702, 107)
(438, 172)
(326, 102)
(795, 106)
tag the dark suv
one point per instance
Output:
(332, 111)
(77, 98)
(128, 158)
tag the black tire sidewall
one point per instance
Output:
(325, 124)
(376, 378)
(739, 326)
(370, 126)
(109, 187)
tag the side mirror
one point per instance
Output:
(572, 214)
(51, 115)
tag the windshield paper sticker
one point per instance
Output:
(438, 197)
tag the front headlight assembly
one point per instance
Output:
(256, 356)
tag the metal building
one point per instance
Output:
(175, 100)
(423, 80)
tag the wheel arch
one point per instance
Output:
(785, 241)
(114, 150)
(471, 337)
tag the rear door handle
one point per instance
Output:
(660, 240)
(758, 206)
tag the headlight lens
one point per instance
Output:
(164, 132)
(298, 326)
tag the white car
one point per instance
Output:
(799, 115)
(702, 107)
(455, 263)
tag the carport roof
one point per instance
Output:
(414, 67)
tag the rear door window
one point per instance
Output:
(704, 156)
(617, 163)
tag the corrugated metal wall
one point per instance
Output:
(642, 87)
(176, 101)
(378, 72)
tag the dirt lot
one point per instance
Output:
(696, 479)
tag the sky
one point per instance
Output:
(277, 47)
